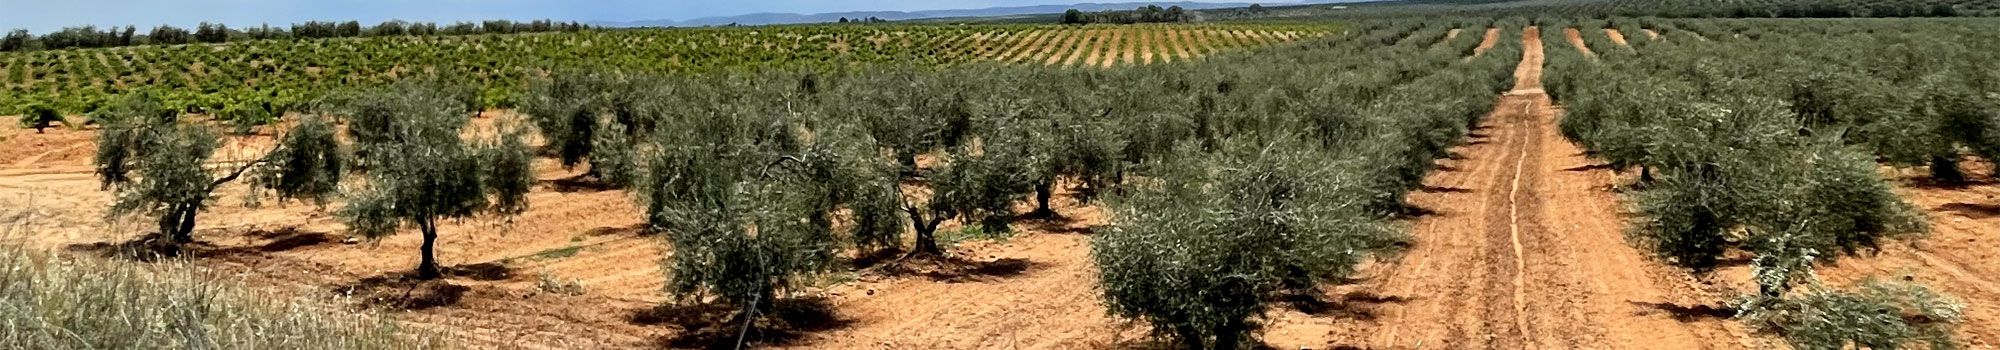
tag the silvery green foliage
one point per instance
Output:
(613, 155)
(1873, 315)
(175, 177)
(1198, 250)
(308, 166)
(566, 108)
(422, 171)
(738, 212)
(1758, 152)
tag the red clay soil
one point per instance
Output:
(23, 148)
(1575, 39)
(1521, 249)
(1616, 37)
(1036, 289)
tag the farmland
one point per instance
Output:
(1363, 180)
(280, 75)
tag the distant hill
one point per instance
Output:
(789, 18)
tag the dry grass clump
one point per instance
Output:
(50, 302)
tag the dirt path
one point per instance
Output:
(1521, 249)
(1616, 37)
(1575, 39)
(1492, 38)
(1448, 35)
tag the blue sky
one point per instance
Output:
(42, 16)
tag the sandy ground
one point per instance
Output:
(1521, 247)
(1575, 39)
(1616, 37)
(1448, 35)
(1486, 43)
(1651, 34)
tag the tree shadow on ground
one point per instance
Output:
(1059, 224)
(951, 269)
(1973, 211)
(1931, 183)
(147, 248)
(404, 291)
(1442, 189)
(628, 230)
(1150, 343)
(154, 247)
(1413, 211)
(576, 184)
(1589, 167)
(719, 326)
(1359, 305)
(1690, 313)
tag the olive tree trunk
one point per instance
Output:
(428, 269)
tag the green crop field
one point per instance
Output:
(279, 75)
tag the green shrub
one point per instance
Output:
(41, 117)
(1199, 251)
(1876, 316)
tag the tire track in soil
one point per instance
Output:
(1490, 268)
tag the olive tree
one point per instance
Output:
(1088, 150)
(1200, 247)
(421, 170)
(40, 117)
(748, 204)
(594, 119)
(175, 177)
(1740, 173)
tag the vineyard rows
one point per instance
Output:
(278, 75)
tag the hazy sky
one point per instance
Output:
(43, 16)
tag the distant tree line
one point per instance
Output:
(92, 37)
(1146, 14)
(870, 19)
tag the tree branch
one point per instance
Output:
(233, 175)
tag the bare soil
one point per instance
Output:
(1519, 247)
(1616, 37)
(1486, 43)
(1448, 35)
(1575, 39)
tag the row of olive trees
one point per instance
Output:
(1758, 156)
(761, 181)
(405, 140)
